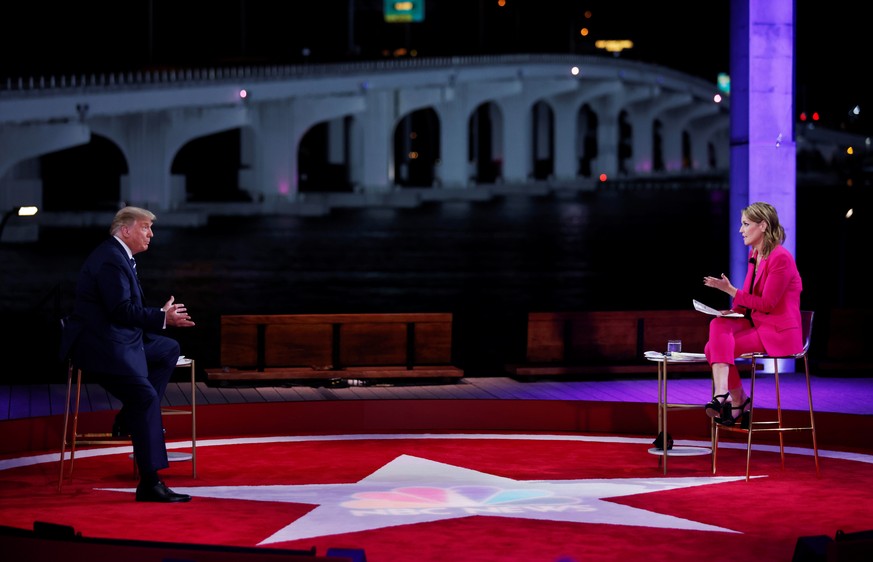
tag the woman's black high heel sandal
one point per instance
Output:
(743, 420)
(714, 408)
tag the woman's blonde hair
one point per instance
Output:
(774, 234)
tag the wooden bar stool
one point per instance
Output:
(777, 425)
(71, 436)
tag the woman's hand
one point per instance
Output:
(721, 283)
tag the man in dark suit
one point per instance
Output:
(115, 337)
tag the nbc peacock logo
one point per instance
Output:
(471, 500)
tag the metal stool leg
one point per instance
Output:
(66, 425)
(193, 422)
(811, 415)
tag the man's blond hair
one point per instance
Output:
(128, 216)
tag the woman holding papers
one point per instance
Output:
(770, 304)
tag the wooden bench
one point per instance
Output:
(336, 346)
(608, 342)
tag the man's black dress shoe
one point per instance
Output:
(159, 493)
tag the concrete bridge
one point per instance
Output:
(446, 125)
(387, 132)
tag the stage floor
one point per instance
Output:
(383, 468)
(830, 394)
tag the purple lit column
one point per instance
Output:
(763, 151)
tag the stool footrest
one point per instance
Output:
(101, 439)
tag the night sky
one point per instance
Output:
(42, 38)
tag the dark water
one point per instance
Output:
(489, 263)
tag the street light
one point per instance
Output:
(21, 211)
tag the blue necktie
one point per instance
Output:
(136, 274)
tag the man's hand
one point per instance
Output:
(177, 314)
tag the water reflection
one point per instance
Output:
(487, 262)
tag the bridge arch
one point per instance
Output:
(509, 119)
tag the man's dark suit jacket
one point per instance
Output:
(109, 321)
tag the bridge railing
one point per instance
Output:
(180, 76)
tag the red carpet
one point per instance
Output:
(473, 497)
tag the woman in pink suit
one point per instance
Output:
(770, 303)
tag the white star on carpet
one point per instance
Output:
(413, 490)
